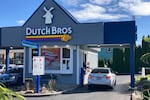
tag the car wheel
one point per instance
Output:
(115, 83)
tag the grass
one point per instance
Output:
(146, 90)
(147, 39)
(138, 77)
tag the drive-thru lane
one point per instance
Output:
(120, 92)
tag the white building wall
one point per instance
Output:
(92, 59)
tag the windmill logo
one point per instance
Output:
(48, 15)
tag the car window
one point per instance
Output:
(100, 71)
(15, 70)
(112, 71)
(1, 66)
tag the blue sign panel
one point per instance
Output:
(119, 32)
(0, 37)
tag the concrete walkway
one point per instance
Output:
(136, 96)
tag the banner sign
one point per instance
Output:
(38, 65)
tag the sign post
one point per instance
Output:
(38, 68)
(33, 45)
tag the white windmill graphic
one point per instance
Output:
(48, 15)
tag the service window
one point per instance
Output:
(66, 67)
(57, 60)
(52, 58)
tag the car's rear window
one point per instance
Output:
(100, 71)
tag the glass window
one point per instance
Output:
(1, 56)
(66, 59)
(18, 58)
(18, 55)
(66, 64)
(66, 53)
(1, 66)
(34, 52)
(56, 59)
(2, 60)
(111, 71)
(52, 58)
(100, 71)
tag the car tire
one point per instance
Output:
(115, 83)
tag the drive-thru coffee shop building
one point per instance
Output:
(65, 42)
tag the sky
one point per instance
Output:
(16, 12)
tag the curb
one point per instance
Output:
(40, 94)
(53, 93)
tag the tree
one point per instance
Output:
(126, 61)
(138, 54)
(145, 58)
(101, 62)
(118, 60)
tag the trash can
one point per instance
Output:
(28, 83)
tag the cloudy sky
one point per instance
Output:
(16, 12)
(106, 10)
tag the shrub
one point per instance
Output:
(7, 94)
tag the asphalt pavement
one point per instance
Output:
(120, 92)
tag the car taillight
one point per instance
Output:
(108, 76)
(90, 76)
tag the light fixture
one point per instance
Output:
(44, 46)
(67, 46)
(55, 46)
(98, 45)
(11, 47)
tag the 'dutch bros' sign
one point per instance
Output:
(49, 33)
